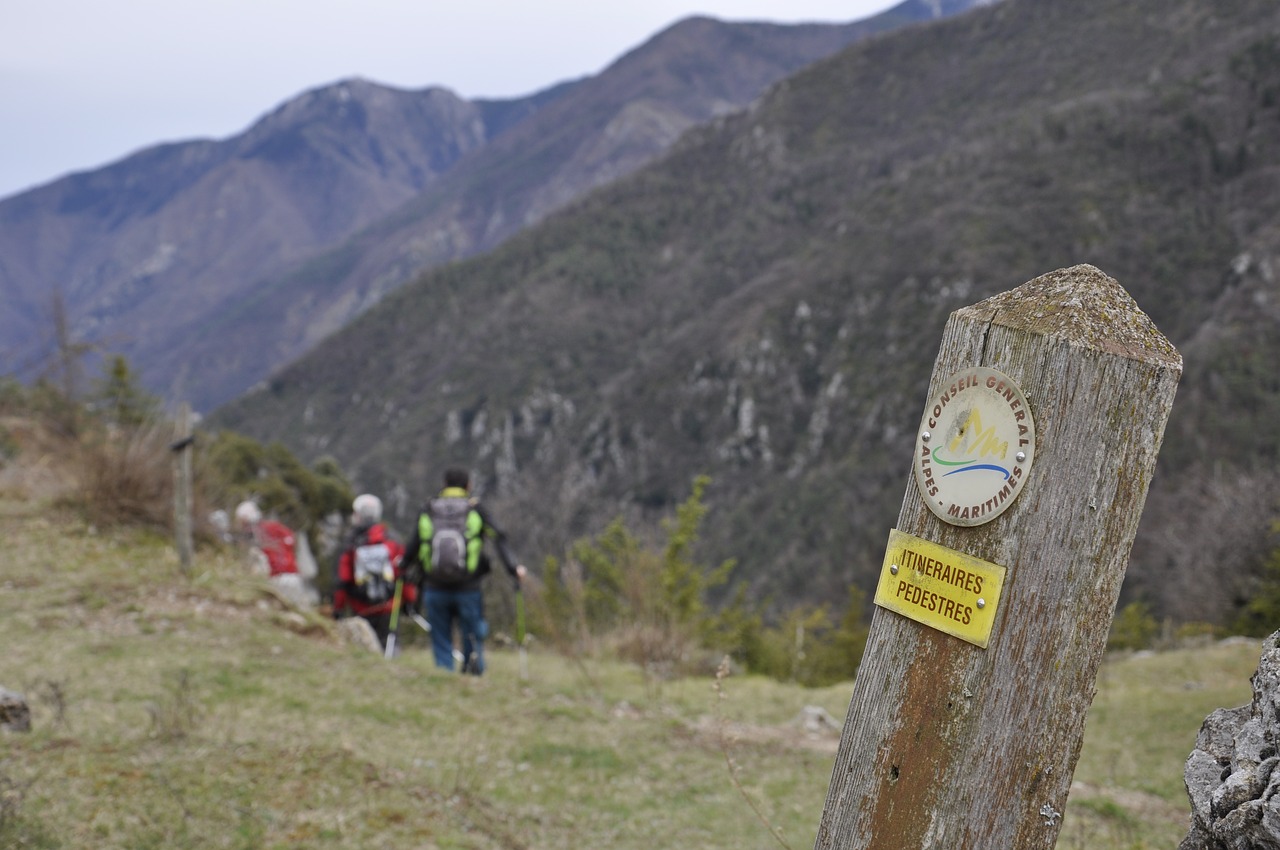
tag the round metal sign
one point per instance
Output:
(975, 447)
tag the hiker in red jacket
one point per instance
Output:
(274, 539)
(369, 568)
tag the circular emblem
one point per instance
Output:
(975, 447)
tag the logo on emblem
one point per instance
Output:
(975, 446)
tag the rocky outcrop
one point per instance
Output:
(1231, 775)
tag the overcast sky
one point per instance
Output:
(85, 82)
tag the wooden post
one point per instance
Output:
(182, 486)
(948, 744)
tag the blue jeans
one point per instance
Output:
(467, 608)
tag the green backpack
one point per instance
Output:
(450, 531)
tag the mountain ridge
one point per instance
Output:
(297, 213)
(125, 235)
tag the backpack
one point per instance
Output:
(375, 577)
(450, 529)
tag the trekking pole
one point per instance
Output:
(395, 620)
(520, 634)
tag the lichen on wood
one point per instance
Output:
(1083, 306)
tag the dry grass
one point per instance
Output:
(126, 476)
(39, 470)
(110, 476)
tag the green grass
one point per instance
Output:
(1128, 790)
(191, 712)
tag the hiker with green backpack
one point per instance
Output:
(445, 553)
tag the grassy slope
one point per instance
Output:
(197, 713)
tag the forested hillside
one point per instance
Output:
(764, 304)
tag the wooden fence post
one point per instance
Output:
(181, 448)
(1001, 579)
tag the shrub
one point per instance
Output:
(108, 456)
(1133, 628)
(807, 647)
(1260, 615)
(119, 401)
(648, 605)
(105, 456)
(234, 467)
(126, 475)
(1195, 633)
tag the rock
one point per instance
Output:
(307, 567)
(258, 564)
(1231, 776)
(358, 631)
(295, 590)
(816, 720)
(1245, 784)
(15, 714)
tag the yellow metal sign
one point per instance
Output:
(940, 587)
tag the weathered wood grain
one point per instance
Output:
(947, 745)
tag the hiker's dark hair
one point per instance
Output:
(456, 476)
